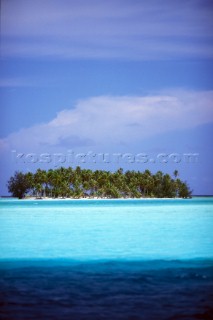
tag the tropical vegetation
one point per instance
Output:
(78, 183)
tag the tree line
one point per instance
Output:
(78, 183)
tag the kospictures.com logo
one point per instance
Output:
(70, 157)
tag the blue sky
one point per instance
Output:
(108, 77)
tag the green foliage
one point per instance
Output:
(183, 190)
(77, 183)
(19, 185)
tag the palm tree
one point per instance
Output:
(40, 179)
(66, 182)
(176, 173)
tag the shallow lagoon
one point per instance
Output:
(107, 229)
(106, 259)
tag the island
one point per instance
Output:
(84, 183)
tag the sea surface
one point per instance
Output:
(106, 259)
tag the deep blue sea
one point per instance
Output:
(106, 259)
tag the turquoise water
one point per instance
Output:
(107, 229)
(106, 259)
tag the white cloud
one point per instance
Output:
(11, 82)
(18, 82)
(108, 121)
(107, 29)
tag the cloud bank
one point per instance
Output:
(107, 121)
(107, 29)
